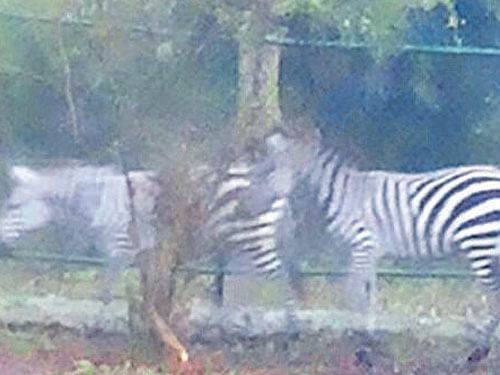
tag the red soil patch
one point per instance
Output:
(40, 362)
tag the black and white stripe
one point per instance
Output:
(13, 227)
(96, 194)
(96, 200)
(244, 223)
(446, 213)
(250, 215)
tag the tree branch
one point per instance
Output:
(69, 95)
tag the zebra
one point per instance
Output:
(249, 217)
(434, 215)
(100, 201)
(237, 221)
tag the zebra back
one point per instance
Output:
(97, 197)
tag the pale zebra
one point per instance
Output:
(100, 201)
(249, 216)
(445, 213)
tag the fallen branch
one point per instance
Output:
(166, 334)
(150, 285)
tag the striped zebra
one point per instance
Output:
(441, 214)
(249, 217)
(96, 201)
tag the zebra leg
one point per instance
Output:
(361, 287)
(361, 283)
(292, 287)
(487, 268)
(218, 283)
(362, 275)
(482, 337)
(11, 228)
(480, 334)
(365, 283)
(360, 291)
(107, 278)
(5, 249)
(294, 292)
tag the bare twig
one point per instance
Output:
(167, 336)
(69, 95)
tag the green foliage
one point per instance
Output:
(41, 8)
(484, 139)
(85, 367)
(380, 23)
(150, 76)
(128, 84)
(493, 6)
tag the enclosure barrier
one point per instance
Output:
(220, 274)
(422, 48)
(457, 49)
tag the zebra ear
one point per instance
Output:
(23, 174)
(142, 175)
(277, 142)
(145, 182)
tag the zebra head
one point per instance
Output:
(144, 190)
(292, 153)
(26, 209)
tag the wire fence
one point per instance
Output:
(219, 275)
(396, 272)
(422, 48)
(270, 39)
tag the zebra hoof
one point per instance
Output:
(105, 297)
(292, 329)
(5, 250)
(364, 356)
(478, 354)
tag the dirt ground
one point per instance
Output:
(67, 362)
(334, 357)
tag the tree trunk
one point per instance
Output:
(258, 101)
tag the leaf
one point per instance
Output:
(40, 8)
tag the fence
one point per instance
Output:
(457, 49)
(220, 274)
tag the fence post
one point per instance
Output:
(219, 287)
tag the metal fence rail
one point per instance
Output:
(423, 48)
(271, 39)
(220, 274)
(381, 272)
(28, 256)
(396, 272)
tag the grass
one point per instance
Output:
(447, 297)
(410, 297)
(85, 367)
(68, 281)
(415, 298)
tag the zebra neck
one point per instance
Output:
(328, 176)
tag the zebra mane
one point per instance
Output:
(347, 160)
(22, 174)
(61, 163)
(302, 155)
